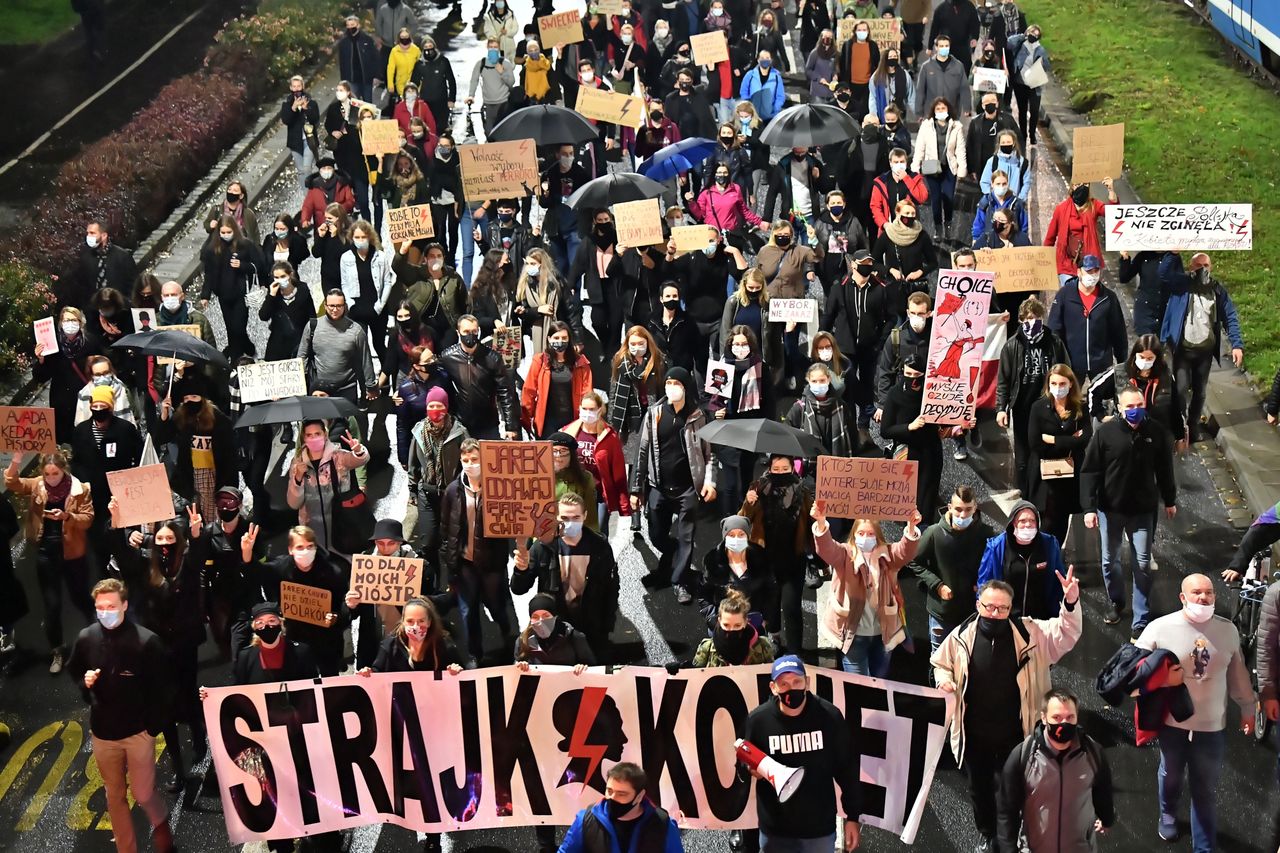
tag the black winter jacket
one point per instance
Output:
(486, 392)
(1127, 470)
(596, 609)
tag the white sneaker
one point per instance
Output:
(56, 666)
(7, 643)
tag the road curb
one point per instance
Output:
(1232, 401)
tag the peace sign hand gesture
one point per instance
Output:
(195, 521)
(247, 542)
(1070, 585)
(353, 444)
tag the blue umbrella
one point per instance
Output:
(678, 157)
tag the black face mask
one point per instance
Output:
(410, 325)
(100, 416)
(1080, 194)
(733, 646)
(842, 98)
(559, 346)
(671, 304)
(233, 198)
(684, 87)
(999, 227)
(793, 699)
(782, 240)
(891, 126)
(992, 628)
(1033, 39)
(268, 634)
(193, 406)
(782, 480)
(990, 109)
(229, 515)
(406, 42)
(753, 295)
(912, 383)
(469, 339)
(869, 134)
(722, 180)
(908, 221)
(891, 66)
(604, 235)
(727, 141)
(656, 118)
(166, 554)
(353, 31)
(616, 809)
(864, 270)
(1006, 150)
(1062, 732)
(988, 55)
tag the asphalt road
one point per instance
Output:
(50, 793)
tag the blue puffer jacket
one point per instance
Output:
(992, 567)
(1177, 283)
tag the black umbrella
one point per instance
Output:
(759, 435)
(180, 345)
(288, 410)
(615, 188)
(808, 125)
(544, 124)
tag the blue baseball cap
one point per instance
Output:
(785, 664)
(1091, 262)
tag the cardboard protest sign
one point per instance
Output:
(271, 380)
(692, 238)
(26, 429)
(866, 487)
(639, 223)
(507, 344)
(496, 170)
(1179, 227)
(380, 136)
(793, 310)
(560, 28)
(519, 487)
(610, 107)
(885, 32)
(143, 495)
(1097, 153)
(413, 222)
(719, 378)
(386, 580)
(144, 320)
(43, 329)
(990, 79)
(1021, 268)
(302, 603)
(709, 48)
(956, 345)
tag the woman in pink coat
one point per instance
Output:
(722, 206)
(864, 609)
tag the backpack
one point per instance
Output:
(1090, 746)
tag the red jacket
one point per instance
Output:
(1067, 218)
(537, 387)
(314, 203)
(881, 209)
(610, 464)
(402, 116)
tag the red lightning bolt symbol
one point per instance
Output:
(1242, 228)
(1116, 230)
(413, 570)
(592, 699)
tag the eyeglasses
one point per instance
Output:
(995, 609)
(560, 451)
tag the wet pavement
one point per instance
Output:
(50, 796)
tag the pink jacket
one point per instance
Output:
(724, 209)
(855, 579)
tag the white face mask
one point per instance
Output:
(473, 473)
(1060, 392)
(1144, 363)
(70, 328)
(1025, 535)
(1198, 613)
(898, 169)
(736, 544)
(865, 544)
(626, 39)
(360, 243)
(588, 416)
(342, 95)
(941, 115)
(1089, 281)
(588, 76)
(826, 354)
(675, 393)
(917, 322)
(171, 303)
(741, 352)
(436, 266)
(326, 174)
(1001, 190)
(637, 349)
(532, 270)
(304, 557)
(91, 240)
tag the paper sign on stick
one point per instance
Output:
(793, 310)
(692, 238)
(519, 487)
(1021, 268)
(271, 380)
(610, 107)
(560, 28)
(497, 170)
(956, 345)
(386, 580)
(719, 378)
(1098, 152)
(866, 487)
(639, 223)
(1179, 227)
(302, 603)
(142, 494)
(192, 329)
(507, 344)
(26, 429)
(990, 79)
(413, 222)
(709, 48)
(45, 335)
(380, 136)
(144, 320)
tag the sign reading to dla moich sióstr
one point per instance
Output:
(386, 580)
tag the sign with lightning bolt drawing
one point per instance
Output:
(1179, 227)
(495, 170)
(386, 580)
(611, 107)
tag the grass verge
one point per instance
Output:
(1197, 129)
(35, 21)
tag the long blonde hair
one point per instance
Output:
(755, 273)
(549, 282)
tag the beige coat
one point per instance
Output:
(927, 145)
(78, 512)
(857, 579)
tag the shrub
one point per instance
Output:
(25, 296)
(279, 37)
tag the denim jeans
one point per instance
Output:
(867, 656)
(1139, 528)
(467, 238)
(937, 633)
(774, 844)
(1198, 756)
(304, 162)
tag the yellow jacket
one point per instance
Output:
(536, 82)
(400, 66)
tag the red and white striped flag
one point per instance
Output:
(997, 334)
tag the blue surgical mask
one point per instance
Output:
(944, 52)
(1135, 416)
(819, 389)
(961, 523)
(709, 249)
(572, 529)
(766, 63)
(493, 56)
(110, 618)
(736, 544)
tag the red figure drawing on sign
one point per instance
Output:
(949, 367)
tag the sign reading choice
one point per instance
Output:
(519, 487)
(866, 487)
(26, 429)
(956, 345)
(1179, 227)
(497, 170)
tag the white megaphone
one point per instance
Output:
(785, 780)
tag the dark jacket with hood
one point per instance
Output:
(489, 554)
(902, 341)
(1034, 577)
(1128, 470)
(1094, 341)
(299, 664)
(596, 609)
(566, 646)
(757, 582)
(1134, 668)
(1012, 357)
(947, 556)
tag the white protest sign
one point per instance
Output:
(271, 380)
(1179, 227)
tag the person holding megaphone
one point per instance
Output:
(797, 734)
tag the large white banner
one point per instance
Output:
(497, 747)
(1179, 227)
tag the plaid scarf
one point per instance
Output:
(810, 406)
(624, 408)
(749, 395)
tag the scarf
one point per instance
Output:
(181, 318)
(900, 234)
(833, 410)
(408, 185)
(749, 395)
(101, 252)
(662, 43)
(433, 438)
(624, 401)
(72, 347)
(236, 213)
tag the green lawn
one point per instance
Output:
(35, 21)
(1197, 128)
